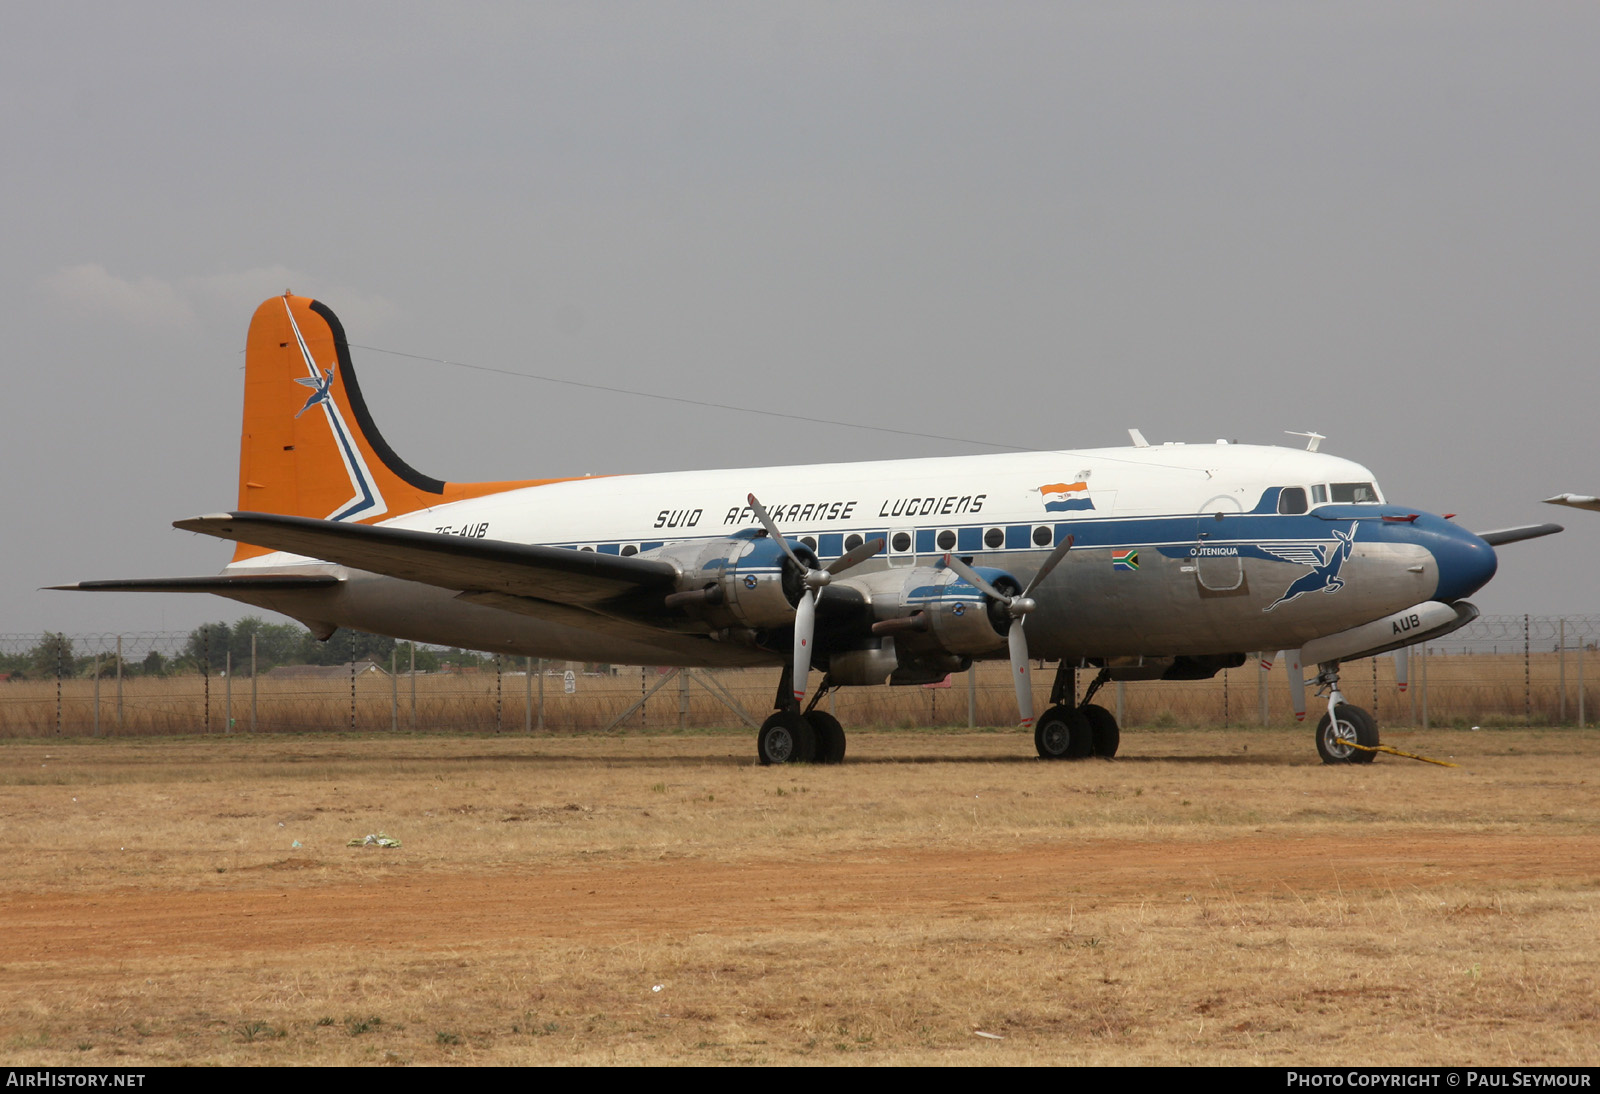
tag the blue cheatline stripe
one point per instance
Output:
(1252, 532)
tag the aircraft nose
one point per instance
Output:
(1466, 562)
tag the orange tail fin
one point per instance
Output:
(310, 447)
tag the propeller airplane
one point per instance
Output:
(1147, 562)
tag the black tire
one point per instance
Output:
(1103, 730)
(786, 738)
(1354, 724)
(830, 737)
(1063, 733)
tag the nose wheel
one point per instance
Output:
(1340, 731)
(1346, 734)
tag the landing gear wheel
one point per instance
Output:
(1336, 740)
(786, 738)
(830, 737)
(1063, 733)
(1103, 730)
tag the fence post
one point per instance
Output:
(227, 695)
(1122, 691)
(254, 691)
(1424, 651)
(499, 693)
(413, 687)
(1527, 673)
(972, 696)
(683, 699)
(205, 671)
(1261, 687)
(1582, 650)
(1561, 669)
(97, 695)
(394, 690)
(60, 641)
(541, 695)
(119, 683)
(527, 694)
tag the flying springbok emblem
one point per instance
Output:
(1325, 560)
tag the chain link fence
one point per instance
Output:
(1499, 670)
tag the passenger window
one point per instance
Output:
(1291, 499)
(1319, 495)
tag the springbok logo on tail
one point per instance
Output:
(1324, 575)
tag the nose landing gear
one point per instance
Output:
(1346, 734)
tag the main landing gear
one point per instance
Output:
(792, 737)
(1346, 734)
(1074, 731)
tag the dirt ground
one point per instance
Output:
(660, 900)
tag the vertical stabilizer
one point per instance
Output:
(309, 446)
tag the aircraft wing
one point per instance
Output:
(582, 578)
(222, 584)
(1501, 536)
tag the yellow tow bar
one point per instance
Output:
(1391, 750)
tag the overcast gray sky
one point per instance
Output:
(1035, 224)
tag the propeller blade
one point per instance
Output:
(1049, 564)
(805, 618)
(1018, 642)
(1267, 658)
(855, 557)
(1402, 667)
(772, 530)
(1297, 683)
(970, 576)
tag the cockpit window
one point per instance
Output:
(1292, 499)
(1319, 494)
(1357, 492)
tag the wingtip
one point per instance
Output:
(195, 524)
(1575, 501)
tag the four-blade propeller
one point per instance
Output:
(805, 611)
(1018, 608)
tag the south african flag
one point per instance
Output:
(1125, 558)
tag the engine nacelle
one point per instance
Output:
(935, 608)
(744, 580)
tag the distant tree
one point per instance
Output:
(207, 648)
(346, 646)
(276, 644)
(427, 659)
(52, 655)
(153, 664)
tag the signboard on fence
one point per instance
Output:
(569, 682)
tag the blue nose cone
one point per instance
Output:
(1466, 563)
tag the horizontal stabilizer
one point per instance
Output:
(450, 562)
(222, 585)
(1511, 535)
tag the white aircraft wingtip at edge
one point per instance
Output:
(1575, 501)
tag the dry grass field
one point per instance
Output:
(1462, 690)
(1210, 897)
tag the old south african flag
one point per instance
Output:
(1125, 558)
